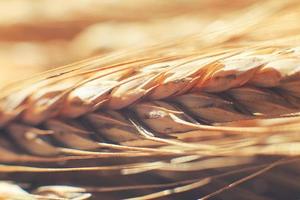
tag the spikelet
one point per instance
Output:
(187, 119)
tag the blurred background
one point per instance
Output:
(40, 35)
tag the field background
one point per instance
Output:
(40, 35)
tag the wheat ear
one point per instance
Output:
(152, 124)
